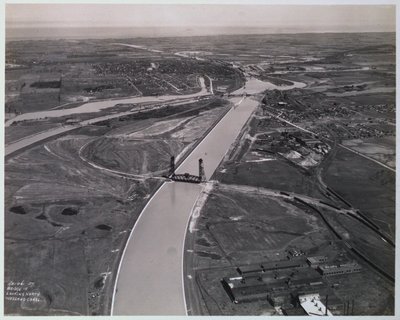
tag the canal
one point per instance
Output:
(150, 277)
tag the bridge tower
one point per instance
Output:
(172, 167)
(202, 174)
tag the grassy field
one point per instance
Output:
(64, 225)
(274, 174)
(381, 149)
(366, 185)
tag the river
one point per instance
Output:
(254, 85)
(97, 106)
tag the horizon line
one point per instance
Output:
(21, 38)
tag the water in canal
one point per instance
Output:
(150, 280)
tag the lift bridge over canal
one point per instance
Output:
(186, 177)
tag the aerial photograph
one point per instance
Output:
(199, 159)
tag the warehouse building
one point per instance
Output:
(340, 269)
(298, 262)
(314, 262)
(242, 290)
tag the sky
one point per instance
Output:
(273, 18)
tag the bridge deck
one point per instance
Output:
(186, 178)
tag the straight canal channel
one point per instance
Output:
(150, 277)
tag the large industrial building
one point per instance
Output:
(332, 270)
(293, 285)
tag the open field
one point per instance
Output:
(65, 214)
(366, 186)
(273, 174)
(382, 149)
